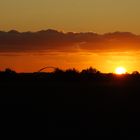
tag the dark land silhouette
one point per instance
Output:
(76, 103)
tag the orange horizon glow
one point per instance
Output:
(104, 62)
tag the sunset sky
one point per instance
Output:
(71, 15)
(113, 41)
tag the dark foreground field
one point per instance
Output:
(96, 105)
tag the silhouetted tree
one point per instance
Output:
(135, 73)
(90, 71)
(58, 71)
(9, 71)
(72, 71)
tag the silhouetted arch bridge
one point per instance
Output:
(49, 67)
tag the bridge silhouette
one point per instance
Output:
(48, 67)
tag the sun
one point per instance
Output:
(120, 70)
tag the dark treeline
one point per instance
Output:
(69, 75)
(73, 103)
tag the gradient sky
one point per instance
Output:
(71, 15)
(101, 16)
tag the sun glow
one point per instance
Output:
(120, 70)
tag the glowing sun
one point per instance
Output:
(120, 70)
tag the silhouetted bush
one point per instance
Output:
(135, 73)
(9, 71)
(90, 71)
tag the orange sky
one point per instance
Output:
(105, 62)
(104, 52)
(30, 51)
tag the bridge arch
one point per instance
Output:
(48, 67)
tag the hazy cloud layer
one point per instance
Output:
(52, 40)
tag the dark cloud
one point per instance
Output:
(52, 40)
